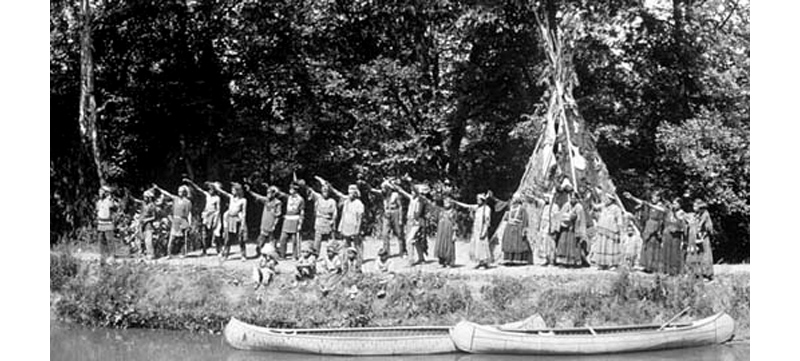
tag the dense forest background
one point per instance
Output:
(436, 89)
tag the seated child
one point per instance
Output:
(351, 264)
(265, 271)
(383, 262)
(386, 275)
(306, 265)
(330, 263)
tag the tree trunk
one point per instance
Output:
(681, 10)
(87, 115)
(456, 124)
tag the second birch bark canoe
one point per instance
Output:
(474, 338)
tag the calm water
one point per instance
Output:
(77, 343)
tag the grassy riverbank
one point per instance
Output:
(202, 298)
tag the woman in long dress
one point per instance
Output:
(653, 213)
(516, 249)
(547, 231)
(445, 249)
(699, 259)
(480, 253)
(673, 238)
(572, 234)
(547, 246)
(609, 226)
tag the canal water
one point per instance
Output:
(75, 343)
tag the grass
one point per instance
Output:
(202, 299)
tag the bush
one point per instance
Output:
(63, 267)
(106, 299)
(502, 291)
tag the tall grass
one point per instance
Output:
(203, 299)
(63, 267)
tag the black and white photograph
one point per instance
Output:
(401, 179)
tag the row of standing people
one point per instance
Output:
(675, 241)
(561, 235)
(224, 229)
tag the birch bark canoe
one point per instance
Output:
(474, 338)
(385, 341)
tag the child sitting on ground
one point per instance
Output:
(330, 263)
(351, 264)
(266, 269)
(331, 266)
(306, 265)
(383, 262)
(383, 270)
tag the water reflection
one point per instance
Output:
(69, 343)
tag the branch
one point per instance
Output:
(735, 7)
(407, 110)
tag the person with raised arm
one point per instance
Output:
(211, 230)
(654, 212)
(392, 222)
(350, 224)
(292, 221)
(270, 216)
(325, 213)
(149, 214)
(480, 252)
(416, 234)
(181, 218)
(106, 205)
(234, 219)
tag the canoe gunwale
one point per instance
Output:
(330, 333)
(609, 330)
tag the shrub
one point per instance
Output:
(107, 300)
(502, 291)
(63, 267)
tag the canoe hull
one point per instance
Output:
(354, 341)
(474, 338)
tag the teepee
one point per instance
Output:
(565, 147)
